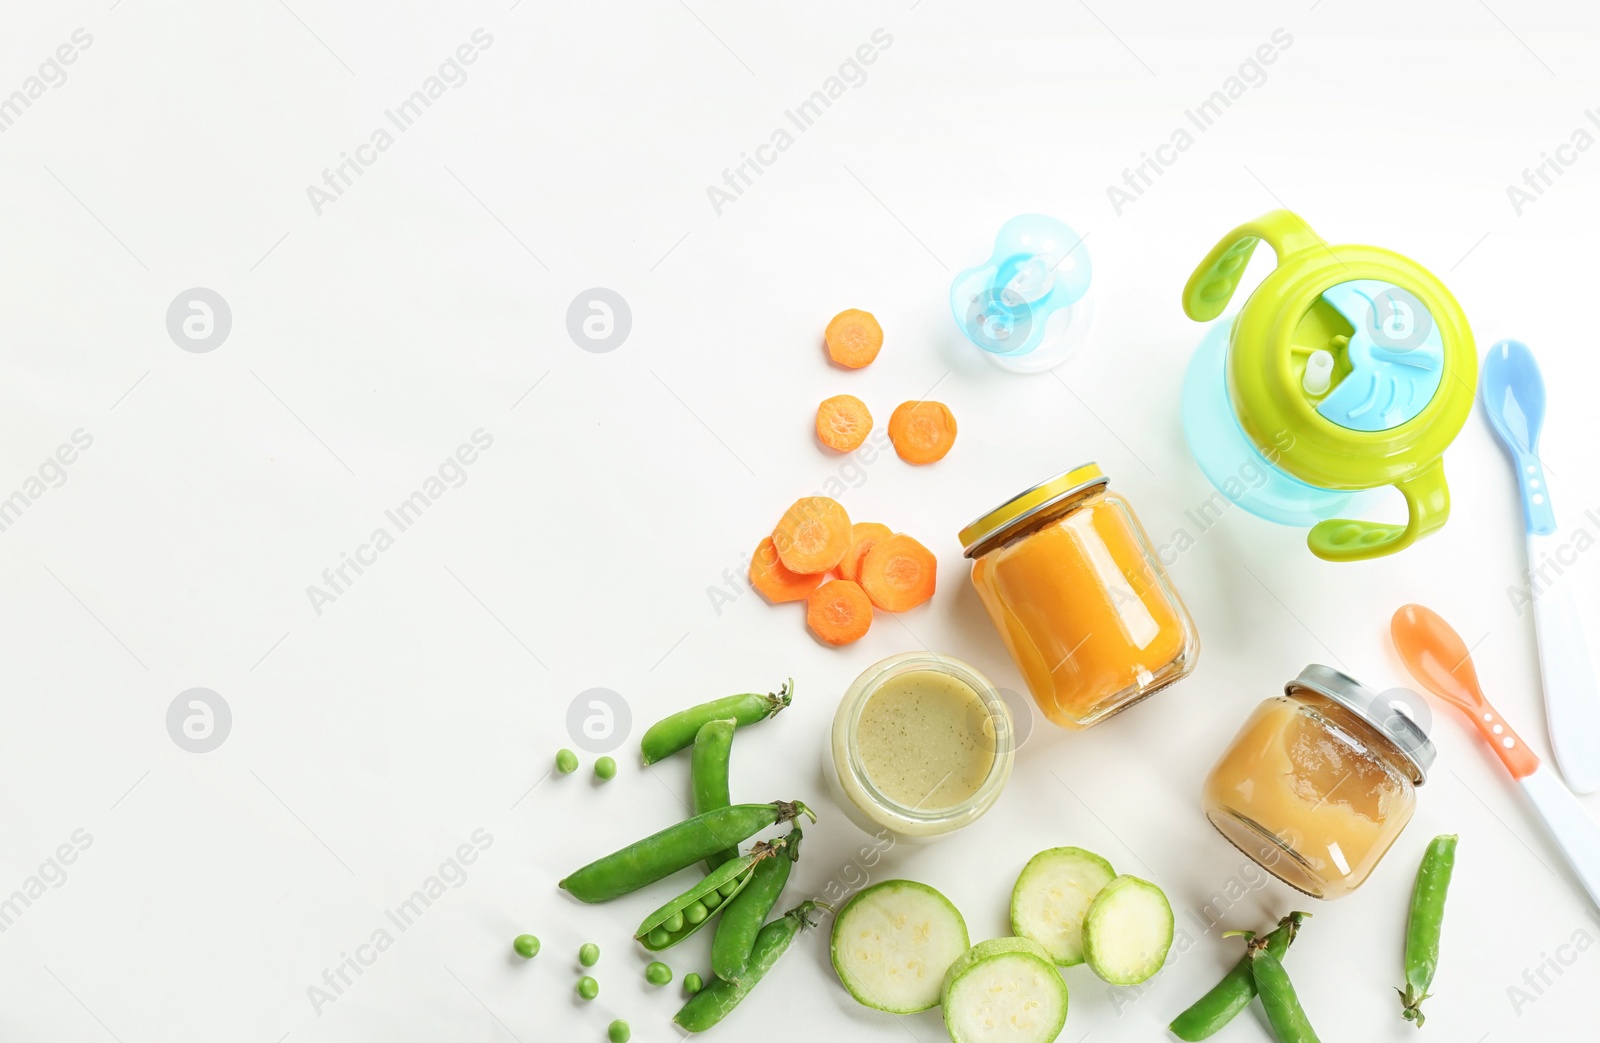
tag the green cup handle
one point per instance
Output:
(1428, 500)
(1212, 283)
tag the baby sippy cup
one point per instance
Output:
(1349, 368)
(1027, 306)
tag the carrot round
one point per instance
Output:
(898, 573)
(774, 582)
(813, 535)
(863, 536)
(839, 612)
(854, 338)
(843, 423)
(922, 432)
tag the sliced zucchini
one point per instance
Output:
(1127, 931)
(1051, 896)
(892, 944)
(1005, 990)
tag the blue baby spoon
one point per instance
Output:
(1513, 397)
(1028, 305)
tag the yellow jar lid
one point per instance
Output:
(1030, 502)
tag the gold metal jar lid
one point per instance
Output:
(1031, 502)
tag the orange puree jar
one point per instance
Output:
(1080, 598)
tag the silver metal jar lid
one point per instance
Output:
(1388, 716)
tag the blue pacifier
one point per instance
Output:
(1028, 305)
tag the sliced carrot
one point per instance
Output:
(854, 338)
(839, 612)
(776, 583)
(898, 573)
(863, 536)
(922, 432)
(843, 423)
(813, 535)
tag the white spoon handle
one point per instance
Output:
(1573, 830)
(1571, 696)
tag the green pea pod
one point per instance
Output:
(708, 776)
(744, 913)
(677, 847)
(671, 734)
(1206, 1016)
(1423, 927)
(690, 911)
(1288, 1018)
(713, 1003)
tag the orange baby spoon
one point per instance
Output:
(1440, 660)
(1436, 656)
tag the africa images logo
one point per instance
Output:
(52, 73)
(451, 74)
(452, 473)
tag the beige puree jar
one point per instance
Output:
(1320, 782)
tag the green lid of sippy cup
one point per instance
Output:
(1350, 367)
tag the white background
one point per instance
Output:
(371, 740)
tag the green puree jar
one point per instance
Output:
(922, 744)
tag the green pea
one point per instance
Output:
(588, 988)
(658, 973)
(605, 769)
(679, 846)
(692, 983)
(671, 734)
(1237, 988)
(527, 946)
(690, 911)
(589, 954)
(618, 1031)
(729, 888)
(1423, 928)
(1278, 999)
(711, 1004)
(566, 762)
(708, 777)
(744, 914)
(712, 900)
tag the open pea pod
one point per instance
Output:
(690, 911)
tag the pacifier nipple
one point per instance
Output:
(1032, 281)
(1319, 373)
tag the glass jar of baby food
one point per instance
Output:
(922, 744)
(1080, 598)
(1320, 782)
